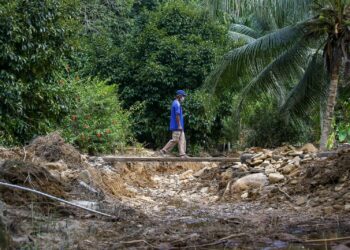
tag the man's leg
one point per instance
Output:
(175, 139)
(182, 144)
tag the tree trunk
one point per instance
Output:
(331, 101)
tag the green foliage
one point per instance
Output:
(98, 124)
(265, 127)
(200, 117)
(34, 37)
(176, 49)
(293, 61)
(343, 121)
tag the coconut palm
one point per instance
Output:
(312, 53)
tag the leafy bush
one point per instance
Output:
(343, 121)
(98, 124)
(267, 128)
(34, 37)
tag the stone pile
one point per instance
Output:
(280, 164)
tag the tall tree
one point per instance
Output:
(310, 52)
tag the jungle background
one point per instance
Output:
(103, 73)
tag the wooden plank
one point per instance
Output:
(168, 159)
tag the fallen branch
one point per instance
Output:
(54, 198)
(330, 239)
(138, 241)
(217, 242)
(287, 195)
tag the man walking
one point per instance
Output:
(177, 126)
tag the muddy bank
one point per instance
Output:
(274, 199)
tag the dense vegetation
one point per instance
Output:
(104, 72)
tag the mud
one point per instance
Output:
(32, 176)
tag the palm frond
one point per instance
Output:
(253, 57)
(279, 9)
(286, 68)
(245, 30)
(310, 89)
(239, 36)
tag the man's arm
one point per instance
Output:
(178, 121)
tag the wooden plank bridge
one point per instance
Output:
(112, 159)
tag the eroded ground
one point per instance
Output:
(175, 205)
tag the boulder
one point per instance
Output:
(301, 200)
(246, 157)
(256, 162)
(250, 181)
(186, 175)
(275, 177)
(287, 169)
(227, 174)
(347, 207)
(270, 169)
(308, 148)
(200, 172)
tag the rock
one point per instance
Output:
(295, 153)
(344, 177)
(277, 157)
(294, 182)
(58, 165)
(268, 153)
(56, 174)
(241, 167)
(270, 169)
(250, 181)
(294, 173)
(265, 163)
(347, 207)
(338, 187)
(186, 174)
(301, 200)
(275, 177)
(338, 207)
(244, 195)
(327, 210)
(308, 148)
(204, 190)
(227, 174)
(245, 157)
(257, 156)
(200, 172)
(85, 176)
(287, 169)
(296, 161)
(256, 162)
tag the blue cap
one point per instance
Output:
(181, 92)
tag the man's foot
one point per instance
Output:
(184, 156)
(160, 153)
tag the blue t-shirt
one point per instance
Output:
(176, 109)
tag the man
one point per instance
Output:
(177, 126)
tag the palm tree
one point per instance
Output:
(311, 53)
